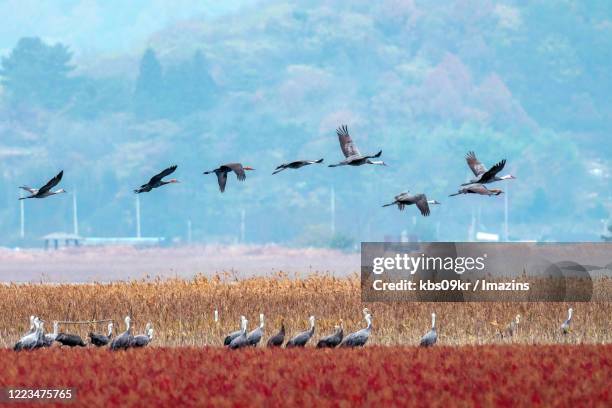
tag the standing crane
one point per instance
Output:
(124, 340)
(100, 340)
(278, 339)
(143, 340)
(360, 337)
(333, 339)
(430, 338)
(241, 341)
(302, 338)
(32, 340)
(255, 336)
(228, 339)
(565, 327)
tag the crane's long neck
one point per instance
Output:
(369, 320)
(569, 315)
(261, 321)
(433, 321)
(377, 162)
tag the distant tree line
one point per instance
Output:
(36, 74)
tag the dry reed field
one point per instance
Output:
(182, 311)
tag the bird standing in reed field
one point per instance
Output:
(255, 336)
(565, 327)
(101, 340)
(241, 341)
(228, 339)
(333, 339)
(143, 340)
(430, 338)
(278, 339)
(302, 338)
(123, 341)
(360, 337)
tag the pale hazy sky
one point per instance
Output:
(94, 26)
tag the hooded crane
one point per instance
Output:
(241, 341)
(124, 340)
(49, 338)
(32, 340)
(477, 189)
(45, 191)
(255, 336)
(228, 339)
(302, 338)
(278, 339)
(333, 339)
(565, 327)
(512, 327)
(156, 181)
(295, 165)
(143, 340)
(484, 176)
(420, 200)
(351, 153)
(100, 340)
(70, 340)
(360, 337)
(430, 338)
(222, 171)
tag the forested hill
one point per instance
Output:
(529, 82)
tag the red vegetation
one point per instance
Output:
(376, 376)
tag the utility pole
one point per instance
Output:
(138, 216)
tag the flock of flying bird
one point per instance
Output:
(353, 157)
(36, 338)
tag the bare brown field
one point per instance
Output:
(112, 263)
(182, 311)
